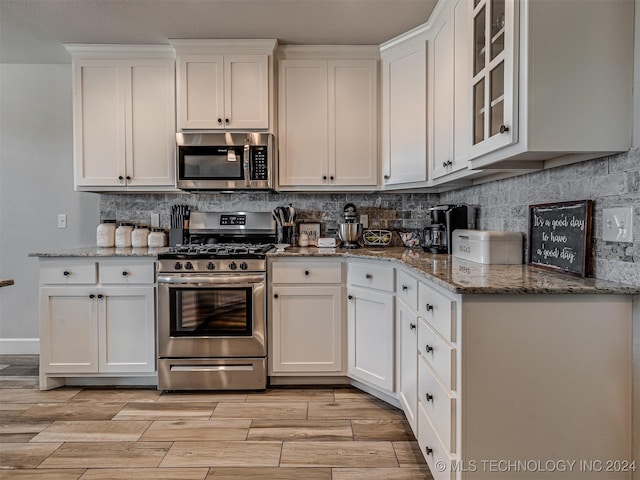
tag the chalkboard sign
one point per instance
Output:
(560, 236)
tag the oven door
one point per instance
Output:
(211, 316)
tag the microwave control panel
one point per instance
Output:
(259, 170)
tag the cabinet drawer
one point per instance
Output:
(61, 272)
(407, 289)
(306, 272)
(438, 353)
(438, 310)
(439, 403)
(125, 273)
(432, 448)
(371, 276)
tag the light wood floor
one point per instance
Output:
(139, 434)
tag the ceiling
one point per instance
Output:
(33, 31)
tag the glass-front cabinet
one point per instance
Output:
(494, 75)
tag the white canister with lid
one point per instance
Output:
(303, 240)
(139, 236)
(123, 235)
(106, 234)
(157, 238)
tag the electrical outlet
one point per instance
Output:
(364, 220)
(62, 220)
(617, 224)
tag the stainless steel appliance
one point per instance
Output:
(350, 231)
(444, 220)
(212, 304)
(226, 161)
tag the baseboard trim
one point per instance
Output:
(19, 346)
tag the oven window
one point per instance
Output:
(212, 312)
(211, 163)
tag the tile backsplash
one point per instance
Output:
(612, 181)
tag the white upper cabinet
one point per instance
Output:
(544, 83)
(224, 84)
(404, 110)
(328, 118)
(124, 117)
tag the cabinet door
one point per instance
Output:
(302, 99)
(404, 114)
(353, 122)
(150, 119)
(306, 333)
(127, 329)
(407, 344)
(493, 81)
(99, 123)
(371, 340)
(246, 85)
(200, 91)
(68, 330)
(441, 97)
(462, 58)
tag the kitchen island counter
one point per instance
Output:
(465, 277)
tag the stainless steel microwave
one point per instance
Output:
(226, 161)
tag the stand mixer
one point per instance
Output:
(350, 231)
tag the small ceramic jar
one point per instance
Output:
(157, 238)
(106, 234)
(139, 236)
(123, 235)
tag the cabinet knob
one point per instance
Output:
(120, 177)
(324, 177)
(226, 120)
(368, 276)
(387, 177)
(444, 164)
(428, 450)
(405, 288)
(128, 177)
(429, 397)
(412, 326)
(219, 121)
(100, 295)
(307, 272)
(331, 177)
(428, 348)
(125, 273)
(66, 273)
(429, 307)
(504, 128)
(275, 295)
(350, 297)
(92, 296)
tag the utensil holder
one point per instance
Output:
(284, 234)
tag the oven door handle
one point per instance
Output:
(236, 281)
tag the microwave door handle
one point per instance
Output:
(247, 166)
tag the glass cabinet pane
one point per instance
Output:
(497, 28)
(479, 110)
(479, 57)
(496, 111)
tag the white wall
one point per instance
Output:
(36, 183)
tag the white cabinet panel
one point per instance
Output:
(246, 81)
(407, 356)
(200, 91)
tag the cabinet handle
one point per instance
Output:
(275, 295)
(405, 288)
(307, 272)
(350, 297)
(368, 276)
(429, 397)
(412, 326)
(128, 177)
(100, 295)
(125, 273)
(92, 296)
(428, 450)
(504, 128)
(219, 121)
(120, 177)
(324, 177)
(66, 273)
(226, 120)
(429, 307)
(331, 177)
(444, 164)
(387, 177)
(428, 348)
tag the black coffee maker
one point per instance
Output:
(444, 220)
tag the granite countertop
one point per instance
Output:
(103, 252)
(465, 277)
(453, 274)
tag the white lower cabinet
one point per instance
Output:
(306, 321)
(407, 358)
(92, 325)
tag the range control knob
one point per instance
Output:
(243, 266)
(211, 266)
(232, 266)
(177, 266)
(188, 266)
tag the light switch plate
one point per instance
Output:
(617, 224)
(62, 220)
(155, 220)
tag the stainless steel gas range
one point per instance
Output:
(212, 304)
